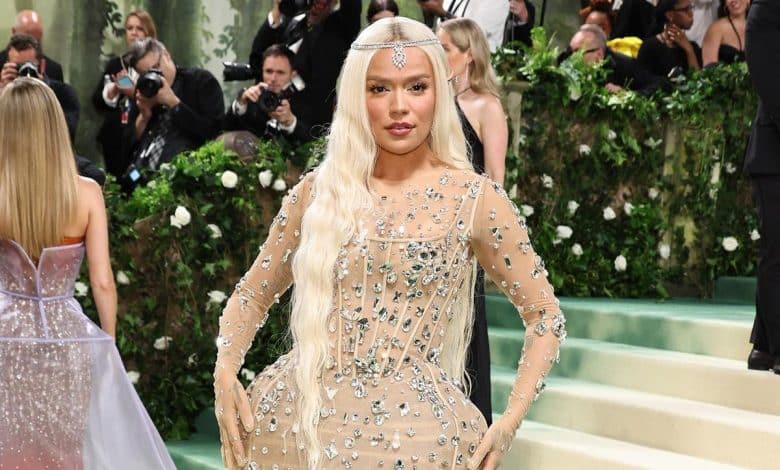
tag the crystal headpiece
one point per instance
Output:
(399, 56)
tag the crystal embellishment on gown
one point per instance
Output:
(387, 401)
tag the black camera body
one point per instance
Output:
(236, 72)
(149, 83)
(270, 100)
(132, 178)
(28, 69)
(290, 8)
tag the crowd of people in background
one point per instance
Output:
(154, 108)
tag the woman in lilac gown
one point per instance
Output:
(65, 399)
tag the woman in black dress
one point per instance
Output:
(725, 39)
(485, 127)
(114, 91)
(671, 49)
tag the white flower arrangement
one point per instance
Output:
(609, 213)
(730, 244)
(122, 278)
(279, 185)
(628, 208)
(229, 179)
(664, 250)
(133, 376)
(527, 210)
(181, 217)
(754, 235)
(564, 232)
(162, 343)
(611, 135)
(584, 149)
(547, 181)
(513, 192)
(653, 193)
(214, 231)
(217, 297)
(248, 374)
(576, 250)
(730, 168)
(572, 206)
(621, 263)
(80, 289)
(265, 178)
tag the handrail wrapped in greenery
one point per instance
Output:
(625, 194)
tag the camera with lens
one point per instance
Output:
(270, 100)
(132, 178)
(235, 72)
(27, 69)
(290, 8)
(149, 83)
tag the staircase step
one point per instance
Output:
(741, 290)
(696, 327)
(715, 380)
(702, 430)
(539, 445)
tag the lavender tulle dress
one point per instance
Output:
(65, 399)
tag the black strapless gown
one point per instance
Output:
(478, 361)
(730, 54)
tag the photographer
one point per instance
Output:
(491, 15)
(175, 109)
(30, 23)
(24, 58)
(320, 33)
(272, 108)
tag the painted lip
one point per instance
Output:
(400, 129)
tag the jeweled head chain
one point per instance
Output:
(399, 56)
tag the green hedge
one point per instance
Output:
(576, 143)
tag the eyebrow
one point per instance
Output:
(377, 78)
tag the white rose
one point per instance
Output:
(563, 231)
(584, 149)
(527, 210)
(547, 181)
(557, 241)
(628, 208)
(229, 179)
(620, 263)
(572, 206)
(122, 278)
(217, 297)
(513, 192)
(609, 213)
(730, 168)
(279, 185)
(576, 249)
(133, 376)
(653, 193)
(214, 230)
(611, 135)
(730, 243)
(754, 235)
(81, 289)
(265, 177)
(162, 343)
(664, 250)
(192, 359)
(248, 374)
(181, 217)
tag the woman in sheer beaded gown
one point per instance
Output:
(484, 125)
(380, 243)
(65, 399)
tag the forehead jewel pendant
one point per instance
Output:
(399, 57)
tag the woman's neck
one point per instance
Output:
(398, 168)
(462, 84)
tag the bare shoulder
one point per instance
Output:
(89, 188)
(490, 106)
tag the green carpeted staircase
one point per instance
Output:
(641, 384)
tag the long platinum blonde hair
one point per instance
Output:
(38, 178)
(341, 194)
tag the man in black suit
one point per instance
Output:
(320, 39)
(622, 70)
(288, 120)
(30, 23)
(762, 163)
(519, 22)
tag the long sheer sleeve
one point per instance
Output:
(268, 278)
(502, 246)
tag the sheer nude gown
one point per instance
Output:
(387, 402)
